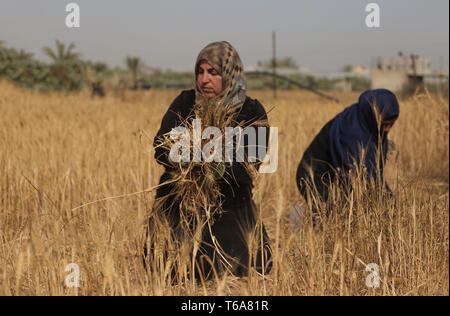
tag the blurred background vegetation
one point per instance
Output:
(67, 71)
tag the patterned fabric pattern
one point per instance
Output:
(223, 57)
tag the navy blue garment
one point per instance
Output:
(356, 127)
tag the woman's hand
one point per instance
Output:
(219, 170)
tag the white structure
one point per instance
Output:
(401, 74)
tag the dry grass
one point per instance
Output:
(58, 152)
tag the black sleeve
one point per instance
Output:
(259, 120)
(177, 112)
(317, 156)
(253, 116)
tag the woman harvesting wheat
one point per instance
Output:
(353, 142)
(205, 198)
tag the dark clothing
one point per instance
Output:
(318, 158)
(338, 145)
(183, 108)
(238, 214)
(357, 127)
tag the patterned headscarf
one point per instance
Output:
(225, 60)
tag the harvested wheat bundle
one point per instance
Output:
(198, 188)
(207, 143)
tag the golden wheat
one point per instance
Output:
(61, 151)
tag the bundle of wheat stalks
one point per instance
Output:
(196, 184)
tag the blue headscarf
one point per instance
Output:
(356, 127)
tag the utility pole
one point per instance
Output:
(441, 81)
(274, 65)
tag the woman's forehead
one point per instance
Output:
(206, 64)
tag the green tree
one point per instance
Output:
(66, 69)
(134, 65)
(95, 75)
(62, 53)
(347, 68)
(24, 56)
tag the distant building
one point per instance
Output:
(361, 70)
(413, 65)
(401, 74)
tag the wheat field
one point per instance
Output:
(61, 151)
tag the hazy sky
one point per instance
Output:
(320, 34)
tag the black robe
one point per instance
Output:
(238, 214)
(317, 157)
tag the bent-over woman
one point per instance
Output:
(337, 147)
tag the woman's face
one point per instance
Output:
(209, 80)
(387, 125)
